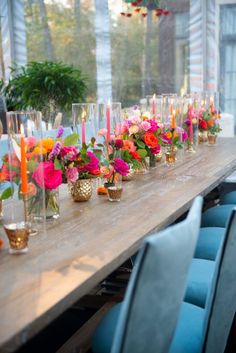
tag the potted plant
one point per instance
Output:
(46, 86)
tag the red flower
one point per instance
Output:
(135, 155)
(129, 15)
(144, 14)
(203, 124)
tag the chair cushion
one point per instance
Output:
(104, 334)
(229, 198)
(199, 281)
(217, 216)
(209, 242)
(189, 330)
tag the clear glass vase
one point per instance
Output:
(50, 208)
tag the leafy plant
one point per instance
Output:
(44, 86)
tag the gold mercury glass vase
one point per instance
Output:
(81, 190)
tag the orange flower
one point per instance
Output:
(38, 150)
(128, 145)
(175, 135)
(168, 134)
(95, 172)
(210, 122)
(1, 243)
(150, 139)
(101, 190)
(48, 144)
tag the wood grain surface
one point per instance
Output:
(92, 239)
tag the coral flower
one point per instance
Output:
(31, 142)
(210, 122)
(106, 171)
(128, 145)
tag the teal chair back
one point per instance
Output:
(223, 296)
(156, 289)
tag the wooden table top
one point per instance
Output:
(92, 239)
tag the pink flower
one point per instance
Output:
(118, 129)
(121, 167)
(92, 165)
(124, 127)
(145, 125)
(102, 132)
(69, 152)
(47, 176)
(31, 141)
(72, 175)
(135, 119)
(153, 127)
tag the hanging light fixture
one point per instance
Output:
(141, 7)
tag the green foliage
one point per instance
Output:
(44, 86)
(6, 194)
(71, 140)
(142, 153)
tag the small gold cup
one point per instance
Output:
(18, 236)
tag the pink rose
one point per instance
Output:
(155, 150)
(145, 125)
(72, 175)
(102, 132)
(69, 152)
(47, 176)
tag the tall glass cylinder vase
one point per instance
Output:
(22, 166)
(191, 113)
(84, 121)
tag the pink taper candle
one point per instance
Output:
(83, 131)
(108, 117)
(154, 105)
(191, 123)
(83, 137)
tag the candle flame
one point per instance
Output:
(83, 114)
(173, 112)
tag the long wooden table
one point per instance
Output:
(92, 239)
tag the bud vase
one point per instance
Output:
(152, 161)
(115, 189)
(202, 137)
(81, 190)
(170, 155)
(211, 138)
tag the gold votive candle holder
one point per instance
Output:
(114, 193)
(18, 236)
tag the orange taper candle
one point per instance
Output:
(173, 122)
(24, 182)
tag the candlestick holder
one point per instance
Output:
(190, 148)
(18, 236)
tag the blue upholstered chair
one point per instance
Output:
(145, 321)
(217, 216)
(206, 330)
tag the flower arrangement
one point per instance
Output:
(142, 133)
(50, 162)
(173, 137)
(209, 121)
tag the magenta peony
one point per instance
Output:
(92, 165)
(119, 143)
(72, 175)
(155, 150)
(153, 127)
(121, 167)
(69, 152)
(47, 176)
